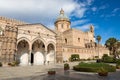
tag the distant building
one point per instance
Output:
(36, 44)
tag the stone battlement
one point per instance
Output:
(10, 20)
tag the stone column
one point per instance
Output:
(45, 53)
(54, 57)
(29, 57)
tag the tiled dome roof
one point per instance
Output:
(62, 16)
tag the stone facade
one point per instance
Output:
(75, 41)
(36, 44)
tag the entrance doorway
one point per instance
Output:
(32, 58)
(22, 50)
(38, 48)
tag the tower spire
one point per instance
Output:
(61, 11)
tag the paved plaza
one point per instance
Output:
(40, 73)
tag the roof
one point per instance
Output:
(62, 16)
(37, 24)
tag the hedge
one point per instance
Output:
(107, 59)
(93, 67)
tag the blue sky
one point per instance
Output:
(103, 14)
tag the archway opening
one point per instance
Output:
(50, 58)
(32, 58)
(38, 50)
(22, 52)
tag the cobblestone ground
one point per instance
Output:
(71, 75)
(40, 73)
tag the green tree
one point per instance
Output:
(113, 45)
(75, 57)
(98, 38)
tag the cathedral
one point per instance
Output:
(36, 44)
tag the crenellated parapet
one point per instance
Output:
(11, 21)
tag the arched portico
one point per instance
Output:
(37, 53)
(23, 38)
(23, 52)
(50, 56)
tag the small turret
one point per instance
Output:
(62, 23)
(91, 28)
(62, 11)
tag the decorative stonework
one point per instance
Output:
(8, 41)
(35, 44)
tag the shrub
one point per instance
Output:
(118, 61)
(82, 59)
(102, 72)
(96, 57)
(84, 69)
(89, 59)
(107, 59)
(93, 67)
(110, 68)
(75, 57)
(66, 66)
(118, 66)
(0, 64)
(15, 63)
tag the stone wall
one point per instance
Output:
(84, 53)
(8, 41)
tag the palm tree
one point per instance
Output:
(116, 49)
(113, 45)
(110, 43)
(98, 40)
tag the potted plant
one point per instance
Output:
(51, 72)
(9, 64)
(118, 66)
(66, 66)
(0, 64)
(14, 63)
(102, 72)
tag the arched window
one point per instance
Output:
(78, 39)
(1, 31)
(61, 25)
(90, 40)
(65, 40)
(67, 26)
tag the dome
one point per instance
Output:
(62, 16)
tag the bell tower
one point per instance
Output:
(62, 23)
(91, 28)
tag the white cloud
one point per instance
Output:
(78, 22)
(86, 27)
(94, 9)
(44, 11)
(115, 10)
(79, 12)
(102, 15)
(103, 7)
(89, 2)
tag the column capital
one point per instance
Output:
(30, 50)
(46, 51)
